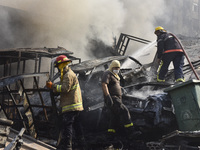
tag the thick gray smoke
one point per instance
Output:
(72, 24)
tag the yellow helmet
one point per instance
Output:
(114, 63)
(159, 28)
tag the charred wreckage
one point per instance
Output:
(29, 107)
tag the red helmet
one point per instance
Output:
(60, 59)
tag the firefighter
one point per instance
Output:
(119, 114)
(169, 50)
(70, 103)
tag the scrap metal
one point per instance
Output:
(36, 108)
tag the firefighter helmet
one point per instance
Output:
(60, 59)
(114, 63)
(159, 28)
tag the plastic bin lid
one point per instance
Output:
(181, 85)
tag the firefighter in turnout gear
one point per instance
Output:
(70, 102)
(169, 50)
(119, 114)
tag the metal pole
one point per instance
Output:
(186, 56)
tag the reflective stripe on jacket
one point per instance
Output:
(59, 87)
(72, 107)
(166, 43)
(173, 50)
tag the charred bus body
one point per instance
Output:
(29, 104)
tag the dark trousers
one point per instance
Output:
(178, 62)
(70, 121)
(119, 114)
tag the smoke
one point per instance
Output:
(141, 16)
(144, 93)
(73, 24)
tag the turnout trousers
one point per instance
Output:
(70, 121)
(119, 115)
(178, 61)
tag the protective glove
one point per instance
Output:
(108, 100)
(49, 84)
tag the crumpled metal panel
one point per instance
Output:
(30, 53)
(90, 64)
(12, 79)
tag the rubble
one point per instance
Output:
(36, 108)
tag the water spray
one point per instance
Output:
(137, 54)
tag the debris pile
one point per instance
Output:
(36, 108)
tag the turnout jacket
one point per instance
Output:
(70, 92)
(166, 43)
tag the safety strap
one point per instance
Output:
(173, 50)
(70, 107)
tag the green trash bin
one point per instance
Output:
(186, 101)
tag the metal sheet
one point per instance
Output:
(90, 64)
(12, 79)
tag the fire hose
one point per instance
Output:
(195, 73)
